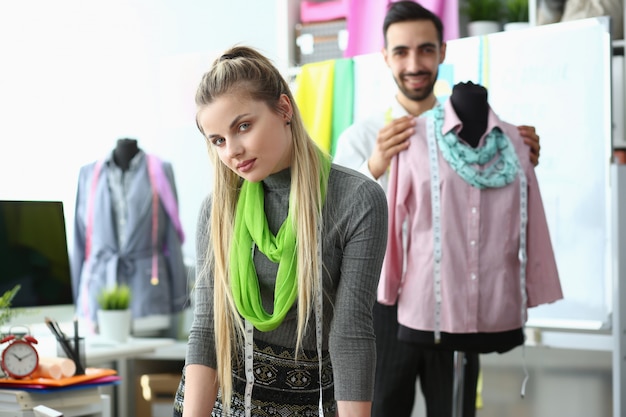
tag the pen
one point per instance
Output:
(69, 352)
(77, 347)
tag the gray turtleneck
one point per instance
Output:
(354, 240)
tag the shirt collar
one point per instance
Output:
(135, 162)
(452, 122)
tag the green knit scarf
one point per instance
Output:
(251, 228)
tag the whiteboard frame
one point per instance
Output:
(618, 179)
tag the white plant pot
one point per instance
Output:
(482, 27)
(114, 325)
(516, 26)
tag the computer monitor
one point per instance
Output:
(33, 253)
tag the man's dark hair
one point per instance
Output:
(404, 11)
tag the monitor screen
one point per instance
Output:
(33, 253)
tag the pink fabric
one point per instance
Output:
(164, 189)
(316, 11)
(365, 24)
(480, 284)
(90, 203)
(448, 12)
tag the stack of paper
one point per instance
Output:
(15, 399)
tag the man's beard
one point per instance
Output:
(413, 95)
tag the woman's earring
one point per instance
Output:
(288, 122)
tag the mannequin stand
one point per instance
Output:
(458, 384)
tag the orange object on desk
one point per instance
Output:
(55, 368)
(90, 374)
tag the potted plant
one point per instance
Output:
(516, 14)
(114, 315)
(6, 313)
(483, 16)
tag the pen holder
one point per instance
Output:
(72, 344)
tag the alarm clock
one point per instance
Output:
(19, 358)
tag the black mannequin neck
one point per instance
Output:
(470, 104)
(124, 152)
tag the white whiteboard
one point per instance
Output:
(558, 79)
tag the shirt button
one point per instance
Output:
(473, 276)
(473, 242)
(474, 210)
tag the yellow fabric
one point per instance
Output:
(314, 97)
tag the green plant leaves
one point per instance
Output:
(115, 298)
(491, 10)
(6, 313)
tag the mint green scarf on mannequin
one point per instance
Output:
(251, 228)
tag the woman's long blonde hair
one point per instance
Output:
(243, 70)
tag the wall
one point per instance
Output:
(78, 75)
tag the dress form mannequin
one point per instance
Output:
(470, 104)
(120, 238)
(124, 152)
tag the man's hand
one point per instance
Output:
(391, 140)
(532, 140)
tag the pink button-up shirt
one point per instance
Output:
(480, 231)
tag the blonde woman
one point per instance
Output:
(290, 248)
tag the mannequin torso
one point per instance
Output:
(124, 152)
(470, 104)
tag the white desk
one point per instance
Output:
(173, 351)
(102, 409)
(99, 353)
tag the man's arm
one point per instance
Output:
(531, 139)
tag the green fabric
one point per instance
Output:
(343, 99)
(251, 228)
(468, 162)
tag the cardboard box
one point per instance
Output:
(155, 394)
